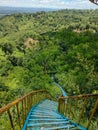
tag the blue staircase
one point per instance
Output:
(36, 111)
(44, 116)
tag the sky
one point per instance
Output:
(59, 4)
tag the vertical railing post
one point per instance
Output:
(30, 100)
(61, 105)
(76, 104)
(83, 107)
(92, 114)
(67, 106)
(35, 98)
(70, 107)
(25, 106)
(17, 107)
(23, 114)
(10, 118)
(27, 103)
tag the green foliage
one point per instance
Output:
(67, 45)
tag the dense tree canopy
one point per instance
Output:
(62, 42)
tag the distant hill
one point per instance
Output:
(12, 10)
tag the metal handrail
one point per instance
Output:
(76, 107)
(79, 96)
(20, 108)
(8, 106)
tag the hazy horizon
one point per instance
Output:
(53, 4)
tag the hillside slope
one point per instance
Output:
(67, 46)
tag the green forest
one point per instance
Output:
(33, 46)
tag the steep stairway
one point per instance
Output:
(37, 110)
(44, 116)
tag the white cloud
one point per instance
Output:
(82, 4)
(78, 4)
(49, 3)
(7, 2)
